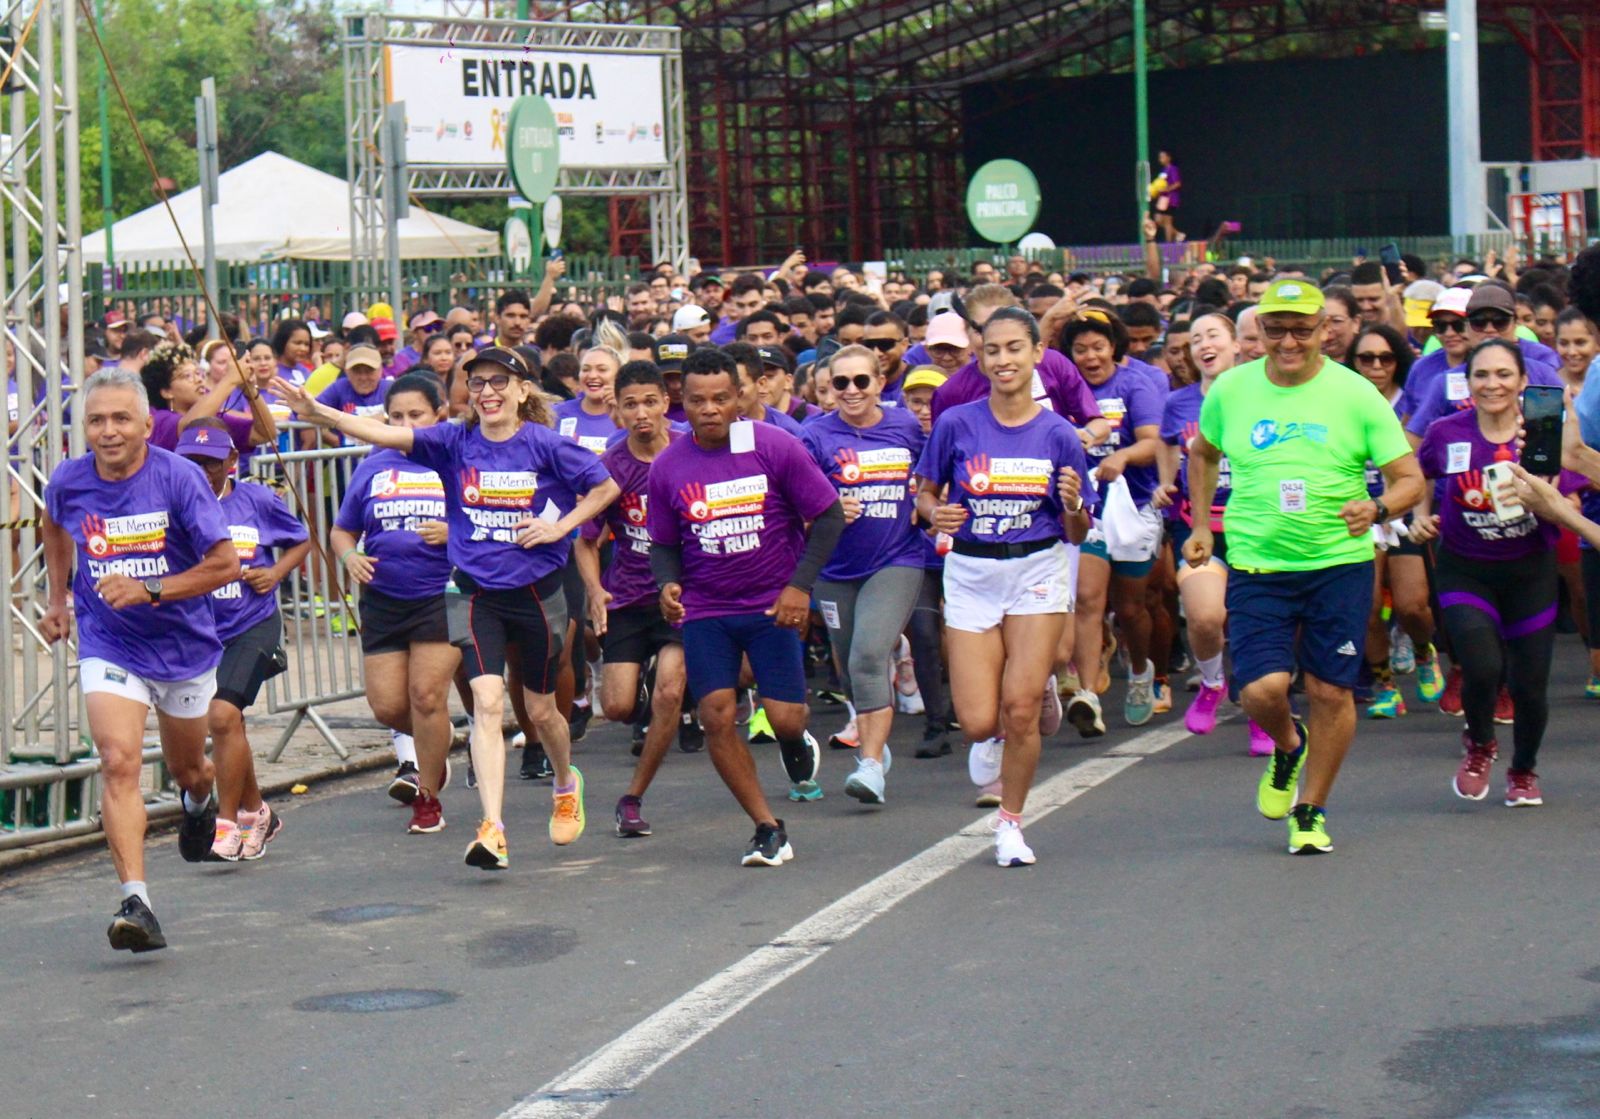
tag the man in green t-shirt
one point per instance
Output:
(1298, 430)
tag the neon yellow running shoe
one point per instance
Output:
(1276, 792)
(1387, 702)
(1308, 831)
(1430, 680)
(759, 729)
(488, 851)
(566, 815)
(1591, 690)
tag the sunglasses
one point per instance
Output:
(1450, 326)
(1489, 320)
(861, 381)
(1373, 357)
(882, 345)
(499, 382)
(1276, 333)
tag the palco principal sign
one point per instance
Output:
(609, 109)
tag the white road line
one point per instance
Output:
(619, 1067)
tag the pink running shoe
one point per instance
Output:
(1471, 781)
(1261, 744)
(1522, 788)
(1201, 718)
(1050, 710)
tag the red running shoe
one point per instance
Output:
(427, 815)
(1450, 702)
(1472, 776)
(1504, 712)
(1522, 788)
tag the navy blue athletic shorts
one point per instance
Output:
(1316, 619)
(713, 648)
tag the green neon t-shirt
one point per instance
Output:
(1298, 455)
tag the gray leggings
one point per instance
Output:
(864, 621)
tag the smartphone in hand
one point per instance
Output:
(1542, 414)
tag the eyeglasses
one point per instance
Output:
(1375, 357)
(861, 381)
(1301, 333)
(1450, 326)
(882, 345)
(1489, 320)
(498, 382)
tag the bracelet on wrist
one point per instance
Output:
(344, 558)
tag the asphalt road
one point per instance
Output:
(1165, 957)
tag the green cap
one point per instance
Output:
(1294, 297)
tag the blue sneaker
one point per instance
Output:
(1140, 702)
(805, 790)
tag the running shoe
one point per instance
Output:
(983, 760)
(1261, 744)
(768, 847)
(196, 834)
(801, 760)
(989, 795)
(1591, 689)
(831, 696)
(1387, 702)
(1083, 712)
(1139, 704)
(1471, 781)
(910, 704)
(1505, 712)
(866, 782)
(566, 812)
(1067, 682)
(636, 746)
(747, 706)
(260, 832)
(1430, 680)
(427, 816)
(1201, 718)
(444, 776)
(1102, 680)
(1450, 698)
(846, 738)
(535, 763)
(1522, 789)
(905, 669)
(630, 825)
(758, 729)
(1402, 654)
(488, 851)
(691, 735)
(578, 721)
(406, 783)
(804, 791)
(1276, 791)
(135, 928)
(1050, 710)
(935, 742)
(1308, 831)
(1010, 849)
(1161, 694)
(472, 774)
(230, 838)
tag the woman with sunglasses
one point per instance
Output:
(1007, 480)
(870, 584)
(514, 492)
(1496, 574)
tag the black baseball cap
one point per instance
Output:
(671, 351)
(509, 360)
(775, 356)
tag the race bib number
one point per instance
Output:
(1292, 496)
(1458, 458)
(830, 614)
(1455, 386)
(569, 426)
(742, 437)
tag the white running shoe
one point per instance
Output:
(988, 796)
(866, 782)
(910, 704)
(1010, 849)
(983, 760)
(905, 669)
(1083, 712)
(1050, 709)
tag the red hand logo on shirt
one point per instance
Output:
(849, 466)
(470, 493)
(694, 502)
(633, 507)
(1470, 490)
(389, 484)
(94, 535)
(977, 475)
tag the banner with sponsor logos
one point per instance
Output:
(609, 108)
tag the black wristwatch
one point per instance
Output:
(152, 587)
(1383, 510)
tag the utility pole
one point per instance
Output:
(107, 216)
(1467, 201)
(205, 143)
(1141, 120)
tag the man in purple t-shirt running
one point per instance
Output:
(150, 543)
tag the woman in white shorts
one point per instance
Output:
(1005, 480)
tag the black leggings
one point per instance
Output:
(923, 632)
(1501, 621)
(1589, 566)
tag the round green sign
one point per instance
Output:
(1003, 200)
(533, 148)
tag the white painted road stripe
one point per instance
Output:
(619, 1067)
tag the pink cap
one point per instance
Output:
(1452, 301)
(947, 329)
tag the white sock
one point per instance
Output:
(136, 890)
(194, 807)
(1211, 671)
(405, 747)
(850, 707)
(1147, 675)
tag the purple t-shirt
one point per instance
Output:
(1455, 451)
(343, 396)
(1005, 477)
(164, 429)
(1057, 385)
(778, 420)
(739, 517)
(1450, 393)
(1128, 400)
(726, 330)
(491, 487)
(590, 431)
(258, 521)
(1155, 375)
(628, 578)
(388, 497)
(1428, 368)
(875, 465)
(1174, 192)
(159, 522)
(677, 427)
(1180, 423)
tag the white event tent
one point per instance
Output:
(273, 208)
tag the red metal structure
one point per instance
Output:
(837, 125)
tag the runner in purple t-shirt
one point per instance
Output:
(624, 604)
(514, 493)
(390, 536)
(149, 543)
(587, 418)
(728, 513)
